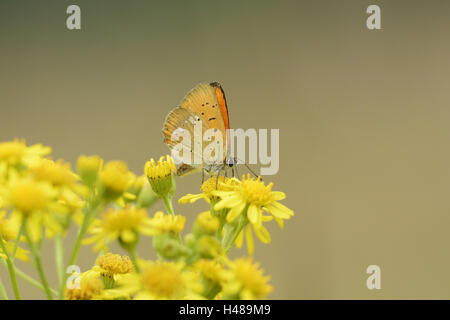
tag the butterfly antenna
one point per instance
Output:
(238, 161)
(252, 172)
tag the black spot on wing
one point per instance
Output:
(210, 119)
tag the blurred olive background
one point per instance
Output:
(363, 118)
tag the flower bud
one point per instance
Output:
(88, 168)
(161, 176)
(115, 179)
(168, 246)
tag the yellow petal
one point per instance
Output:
(280, 211)
(228, 202)
(280, 222)
(91, 240)
(250, 242)
(235, 212)
(129, 196)
(147, 231)
(252, 214)
(34, 228)
(52, 225)
(240, 239)
(22, 254)
(128, 236)
(262, 234)
(191, 198)
(101, 245)
(278, 195)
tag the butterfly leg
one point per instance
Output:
(218, 175)
(203, 176)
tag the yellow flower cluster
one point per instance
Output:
(242, 206)
(42, 198)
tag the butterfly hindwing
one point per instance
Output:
(184, 119)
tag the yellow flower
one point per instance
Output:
(111, 264)
(160, 170)
(208, 247)
(162, 280)
(209, 188)
(9, 228)
(115, 178)
(206, 223)
(164, 223)
(166, 232)
(143, 192)
(138, 183)
(28, 196)
(71, 201)
(65, 182)
(211, 270)
(161, 176)
(247, 281)
(57, 173)
(88, 168)
(111, 267)
(16, 152)
(90, 288)
(256, 197)
(214, 275)
(34, 201)
(123, 225)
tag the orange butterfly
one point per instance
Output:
(205, 104)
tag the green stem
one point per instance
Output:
(11, 269)
(220, 228)
(3, 291)
(59, 257)
(38, 263)
(235, 234)
(169, 207)
(90, 212)
(28, 279)
(16, 244)
(32, 281)
(74, 254)
(134, 258)
(168, 204)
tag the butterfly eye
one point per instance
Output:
(230, 162)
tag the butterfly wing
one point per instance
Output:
(184, 119)
(208, 101)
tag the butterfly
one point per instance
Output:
(205, 104)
